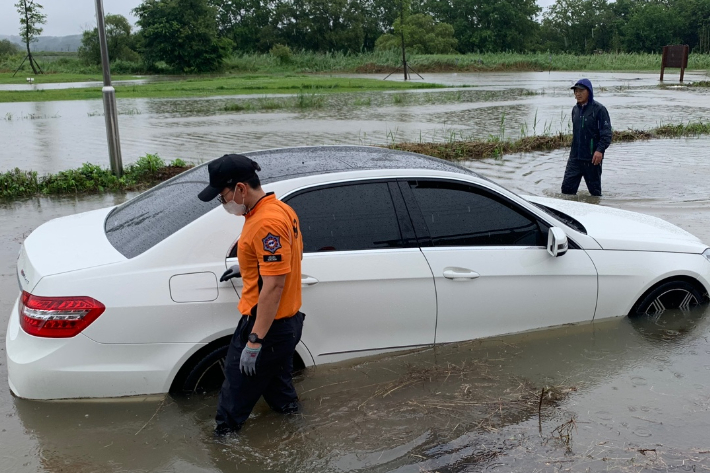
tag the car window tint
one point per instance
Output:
(348, 217)
(462, 215)
(148, 219)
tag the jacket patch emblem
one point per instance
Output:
(271, 243)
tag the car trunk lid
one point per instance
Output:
(65, 244)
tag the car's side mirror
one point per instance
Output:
(557, 244)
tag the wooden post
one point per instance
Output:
(663, 61)
(685, 62)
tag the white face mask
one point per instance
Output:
(234, 208)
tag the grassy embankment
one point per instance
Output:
(151, 169)
(89, 178)
(457, 150)
(225, 85)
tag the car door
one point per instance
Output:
(366, 284)
(492, 272)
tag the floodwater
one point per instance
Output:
(53, 136)
(616, 395)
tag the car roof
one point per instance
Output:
(288, 163)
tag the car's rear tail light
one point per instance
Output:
(57, 317)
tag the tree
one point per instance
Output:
(651, 26)
(422, 35)
(30, 19)
(118, 39)
(581, 26)
(8, 48)
(243, 20)
(183, 33)
(488, 25)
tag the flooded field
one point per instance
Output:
(53, 136)
(614, 395)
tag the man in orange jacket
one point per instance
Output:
(260, 356)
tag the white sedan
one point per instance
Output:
(401, 251)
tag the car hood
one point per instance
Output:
(616, 229)
(66, 244)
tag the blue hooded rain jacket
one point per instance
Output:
(591, 127)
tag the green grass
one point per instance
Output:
(373, 62)
(89, 178)
(389, 61)
(228, 85)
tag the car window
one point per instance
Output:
(347, 217)
(148, 219)
(462, 215)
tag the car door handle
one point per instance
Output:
(460, 274)
(308, 281)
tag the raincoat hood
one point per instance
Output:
(586, 83)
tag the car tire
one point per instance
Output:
(206, 375)
(669, 295)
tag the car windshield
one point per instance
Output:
(562, 217)
(142, 222)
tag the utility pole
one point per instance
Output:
(109, 96)
(404, 55)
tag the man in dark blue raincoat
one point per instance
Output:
(591, 136)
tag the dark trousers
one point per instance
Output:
(576, 169)
(272, 380)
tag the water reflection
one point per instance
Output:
(670, 327)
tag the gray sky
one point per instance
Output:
(68, 17)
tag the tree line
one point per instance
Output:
(196, 35)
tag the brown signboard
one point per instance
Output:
(675, 56)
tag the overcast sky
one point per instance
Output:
(68, 17)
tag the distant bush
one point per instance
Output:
(282, 53)
(8, 48)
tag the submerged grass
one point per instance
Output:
(313, 100)
(89, 178)
(496, 146)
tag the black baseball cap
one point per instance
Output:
(227, 171)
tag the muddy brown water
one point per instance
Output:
(619, 396)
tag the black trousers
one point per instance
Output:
(576, 169)
(273, 378)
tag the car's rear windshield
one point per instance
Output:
(563, 217)
(143, 222)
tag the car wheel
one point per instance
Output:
(670, 295)
(207, 374)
